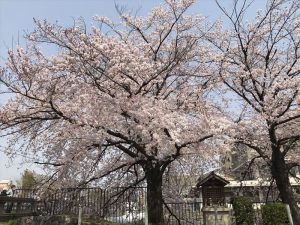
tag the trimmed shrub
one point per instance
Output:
(274, 214)
(243, 211)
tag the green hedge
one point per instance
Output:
(10, 222)
(274, 214)
(243, 211)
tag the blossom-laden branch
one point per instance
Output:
(257, 62)
(109, 101)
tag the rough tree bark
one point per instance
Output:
(154, 174)
(280, 172)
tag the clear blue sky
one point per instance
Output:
(16, 16)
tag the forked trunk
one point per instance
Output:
(280, 172)
(154, 195)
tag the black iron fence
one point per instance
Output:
(183, 213)
(120, 205)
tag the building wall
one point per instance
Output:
(4, 184)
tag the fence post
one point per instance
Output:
(289, 214)
(216, 215)
(146, 208)
(79, 215)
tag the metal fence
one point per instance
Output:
(119, 205)
(116, 204)
(183, 213)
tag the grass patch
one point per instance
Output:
(11, 222)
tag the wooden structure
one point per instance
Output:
(213, 190)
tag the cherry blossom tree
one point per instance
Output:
(130, 97)
(258, 64)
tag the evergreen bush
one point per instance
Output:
(274, 214)
(243, 211)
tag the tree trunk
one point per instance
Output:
(154, 195)
(280, 172)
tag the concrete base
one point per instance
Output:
(216, 215)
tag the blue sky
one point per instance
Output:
(16, 17)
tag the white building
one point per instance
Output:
(5, 184)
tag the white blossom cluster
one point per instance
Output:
(113, 100)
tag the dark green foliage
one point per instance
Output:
(243, 211)
(274, 214)
(28, 180)
(11, 222)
